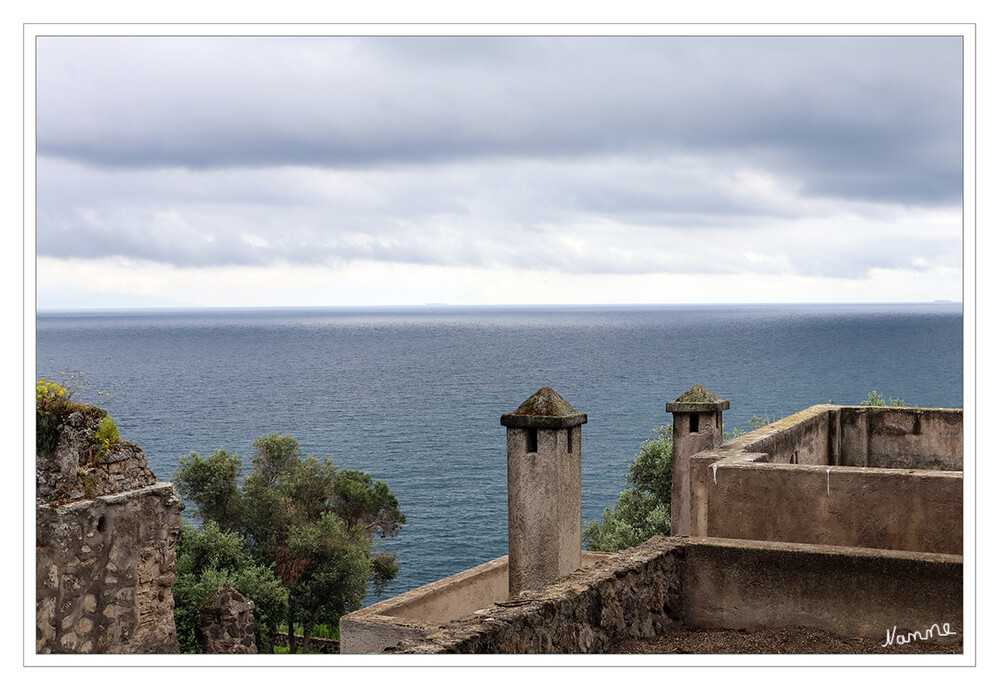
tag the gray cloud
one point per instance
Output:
(598, 155)
(823, 109)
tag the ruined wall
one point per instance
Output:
(227, 625)
(75, 470)
(105, 535)
(669, 581)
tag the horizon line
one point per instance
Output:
(439, 305)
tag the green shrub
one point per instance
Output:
(875, 399)
(106, 435)
(51, 408)
(53, 404)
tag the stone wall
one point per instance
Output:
(322, 645)
(670, 581)
(384, 624)
(104, 570)
(104, 557)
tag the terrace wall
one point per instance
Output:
(902, 438)
(669, 581)
(424, 609)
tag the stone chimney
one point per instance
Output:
(544, 489)
(697, 426)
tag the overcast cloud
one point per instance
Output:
(815, 158)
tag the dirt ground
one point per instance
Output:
(776, 641)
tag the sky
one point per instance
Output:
(328, 171)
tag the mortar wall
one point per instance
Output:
(104, 570)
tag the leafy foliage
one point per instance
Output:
(52, 405)
(211, 484)
(642, 509)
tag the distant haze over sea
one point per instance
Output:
(413, 395)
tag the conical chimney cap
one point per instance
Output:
(697, 399)
(546, 409)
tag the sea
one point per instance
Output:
(413, 395)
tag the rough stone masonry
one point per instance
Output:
(105, 535)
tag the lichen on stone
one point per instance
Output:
(545, 403)
(698, 394)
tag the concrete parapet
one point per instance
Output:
(851, 592)
(783, 483)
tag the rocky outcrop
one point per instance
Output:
(77, 470)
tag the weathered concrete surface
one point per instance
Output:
(846, 591)
(908, 510)
(670, 581)
(104, 570)
(903, 438)
(784, 482)
(227, 623)
(701, 408)
(544, 489)
(421, 610)
(799, 439)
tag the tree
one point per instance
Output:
(212, 485)
(337, 568)
(642, 509)
(317, 527)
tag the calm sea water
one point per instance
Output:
(413, 396)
